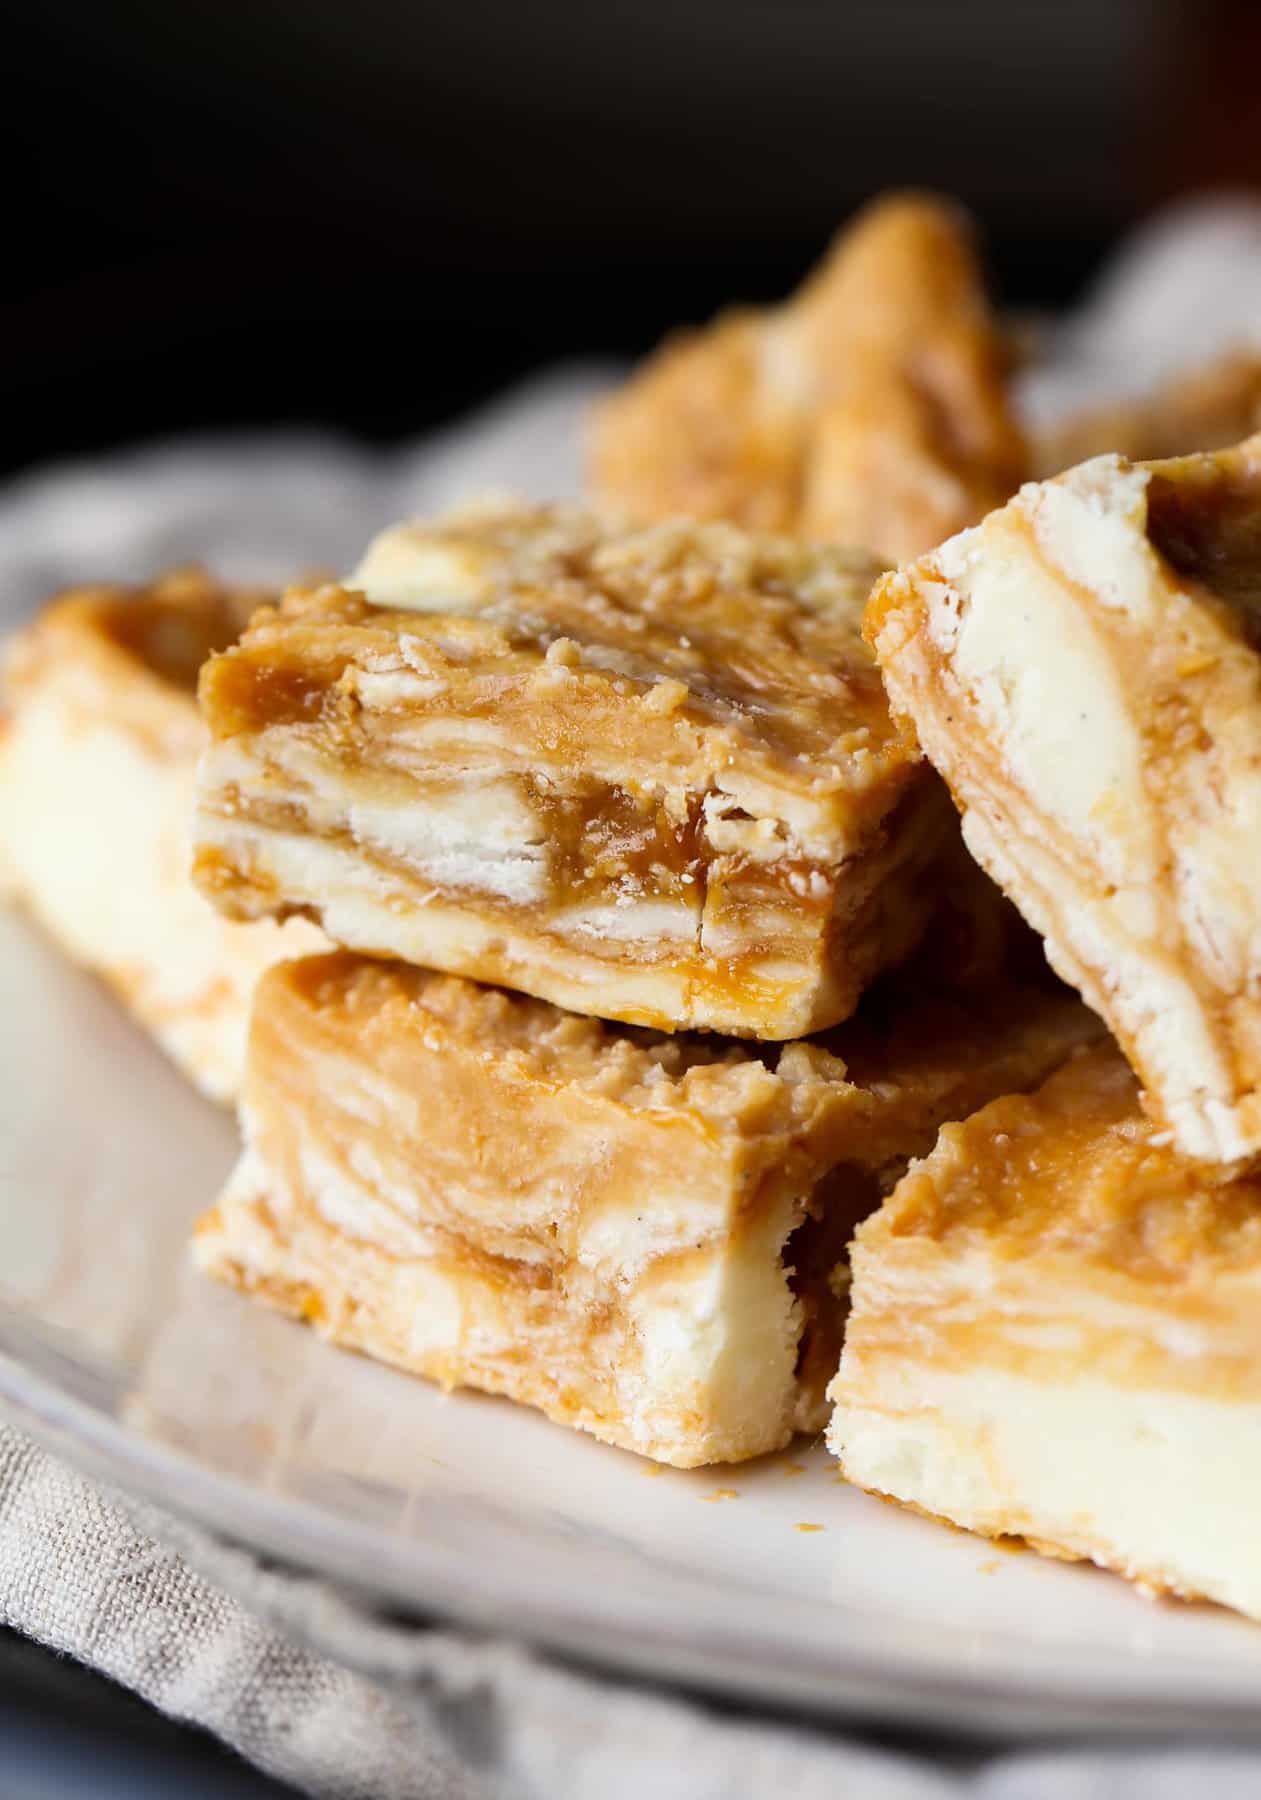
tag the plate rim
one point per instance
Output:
(881, 1682)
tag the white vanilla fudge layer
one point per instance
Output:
(1081, 669)
(1157, 1486)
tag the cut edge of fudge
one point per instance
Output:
(1082, 669)
(646, 773)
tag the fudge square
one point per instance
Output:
(99, 740)
(637, 1233)
(872, 407)
(1083, 669)
(1055, 1332)
(647, 775)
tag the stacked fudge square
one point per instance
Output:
(646, 783)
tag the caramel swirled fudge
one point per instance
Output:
(648, 775)
(1083, 670)
(1055, 1332)
(871, 408)
(99, 740)
(637, 1233)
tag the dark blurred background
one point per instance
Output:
(373, 213)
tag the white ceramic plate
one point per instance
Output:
(114, 1351)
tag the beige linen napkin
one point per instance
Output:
(348, 1705)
